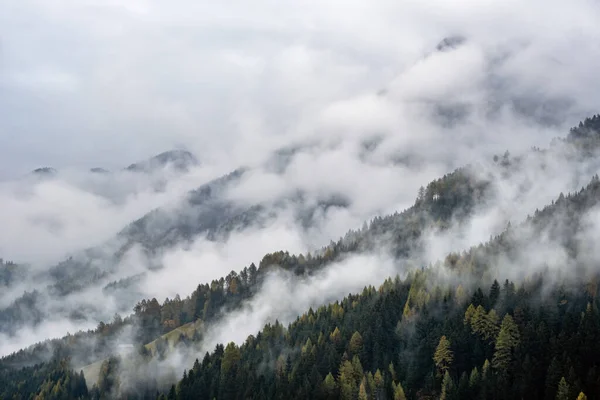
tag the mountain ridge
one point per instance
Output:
(179, 160)
(435, 195)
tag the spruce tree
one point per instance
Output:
(399, 392)
(443, 356)
(447, 387)
(507, 340)
(563, 390)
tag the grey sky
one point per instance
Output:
(88, 83)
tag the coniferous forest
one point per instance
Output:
(509, 318)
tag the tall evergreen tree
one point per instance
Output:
(443, 356)
(447, 387)
(563, 390)
(507, 340)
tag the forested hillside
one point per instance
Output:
(515, 317)
(433, 336)
(455, 196)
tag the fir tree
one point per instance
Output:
(443, 356)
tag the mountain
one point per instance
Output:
(356, 345)
(201, 212)
(181, 160)
(99, 170)
(450, 43)
(463, 192)
(44, 172)
(435, 330)
(176, 160)
(205, 212)
(490, 94)
(425, 334)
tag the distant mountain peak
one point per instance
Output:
(450, 43)
(177, 159)
(99, 170)
(44, 171)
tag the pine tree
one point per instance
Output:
(553, 374)
(421, 194)
(443, 356)
(474, 378)
(336, 336)
(399, 392)
(469, 314)
(329, 386)
(581, 396)
(463, 386)
(563, 390)
(447, 387)
(508, 339)
(494, 293)
(379, 383)
(346, 381)
(356, 344)
(392, 371)
(371, 383)
(574, 383)
(357, 369)
(486, 380)
(362, 391)
(483, 324)
(230, 358)
(172, 395)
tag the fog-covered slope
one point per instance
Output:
(555, 241)
(358, 200)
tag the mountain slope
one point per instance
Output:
(424, 334)
(177, 159)
(451, 199)
(456, 196)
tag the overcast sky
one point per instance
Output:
(88, 83)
